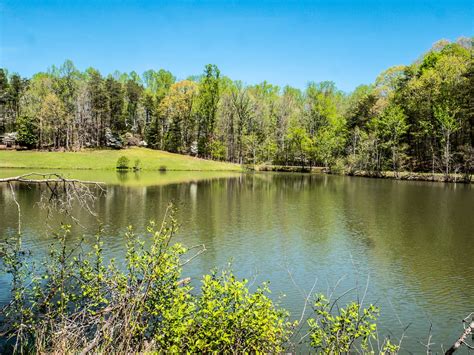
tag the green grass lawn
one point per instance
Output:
(106, 160)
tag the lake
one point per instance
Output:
(409, 243)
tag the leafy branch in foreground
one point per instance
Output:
(76, 302)
(338, 333)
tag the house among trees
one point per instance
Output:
(8, 140)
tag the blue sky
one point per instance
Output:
(291, 42)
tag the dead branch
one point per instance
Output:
(462, 339)
(61, 192)
(44, 178)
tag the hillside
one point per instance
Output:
(106, 160)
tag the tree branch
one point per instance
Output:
(462, 339)
(62, 192)
(44, 178)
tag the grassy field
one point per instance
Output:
(107, 160)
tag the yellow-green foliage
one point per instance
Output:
(122, 162)
(230, 318)
(82, 303)
(76, 302)
(348, 330)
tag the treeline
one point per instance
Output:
(417, 117)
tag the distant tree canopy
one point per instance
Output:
(417, 117)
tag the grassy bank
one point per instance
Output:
(107, 159)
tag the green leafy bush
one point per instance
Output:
(230, 319)
(338, 167)
(122, 163)
(347, 331)
(81, 303)
(27, 135)
(76, 302)
(218, 150)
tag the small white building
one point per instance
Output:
(9, 139)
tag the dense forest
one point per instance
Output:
(417, 117)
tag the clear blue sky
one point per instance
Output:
(291, 42)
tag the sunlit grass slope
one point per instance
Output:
(107, 159)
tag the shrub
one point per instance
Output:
(122, 163)
(162, 168)
(136, 165)
(240, 321)
(218, 150)
(27, 132)
(339, 167)
(76, 302)
(347, 330)
(331, 333)
(83, 304)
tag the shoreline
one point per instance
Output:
(411, 176)
(402, 175)
(156, 160)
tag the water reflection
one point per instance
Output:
(411, 240)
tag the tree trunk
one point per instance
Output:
(446, 154)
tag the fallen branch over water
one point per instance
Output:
(62, 192)
(44, 178)
(462, 339)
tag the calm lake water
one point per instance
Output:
(410, 242)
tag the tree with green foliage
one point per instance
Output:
(158, 82)
(298, 143)
(27, 132)
(207, 101)
(403, 121)
(65, 85)
(115, 95)
(393, 127)
(177, 113)
(133, 92)
(449, 124)
(99, 106)
(4, 96)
